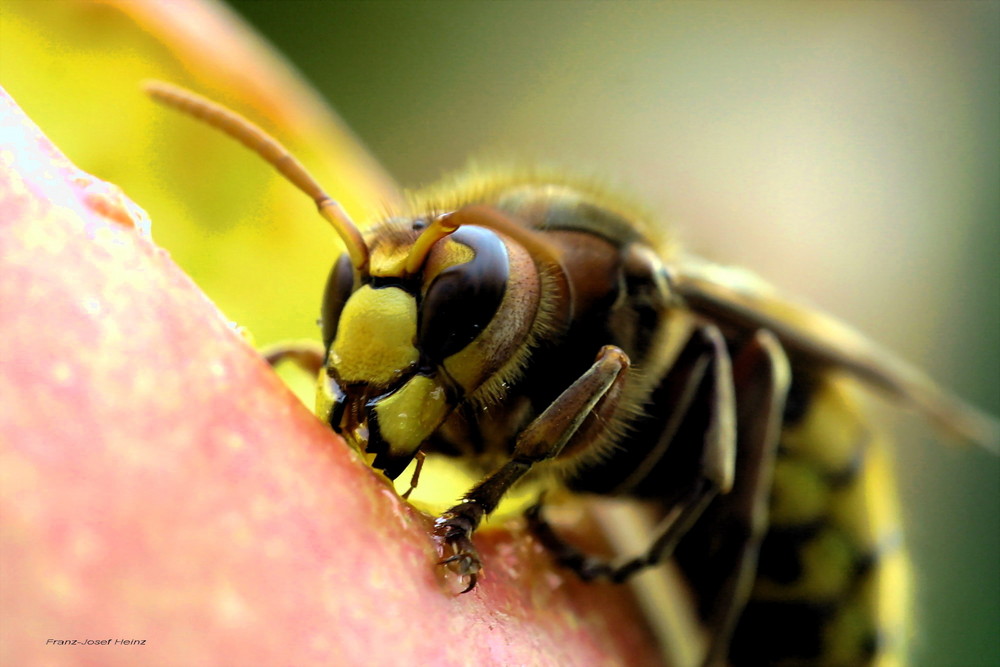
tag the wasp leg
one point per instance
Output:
(419, 457)
(701, 429)
(762, 378)
(544, 438)
(307, 355)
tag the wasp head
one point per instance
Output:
(432, 322)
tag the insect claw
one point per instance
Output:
(472, 583)
(464, 563)
(468, 563)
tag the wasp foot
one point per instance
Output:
(455, 528)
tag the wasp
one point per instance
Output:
(541, 328)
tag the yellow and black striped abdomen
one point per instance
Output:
(833, 582)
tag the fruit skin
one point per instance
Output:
(158, 482)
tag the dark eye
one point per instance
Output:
(338, 289)
(462, 300)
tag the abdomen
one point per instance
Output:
(832, 582)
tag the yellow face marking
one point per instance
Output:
(324, 396)
(375, 338)
(410, 415)
(445, 254)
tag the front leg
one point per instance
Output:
(544, 438)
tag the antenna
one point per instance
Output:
(269, 148)
(434, 232)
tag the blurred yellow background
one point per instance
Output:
(848, 152)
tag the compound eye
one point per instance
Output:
(462, 299)
(339, 286)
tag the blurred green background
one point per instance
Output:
(849, 152)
